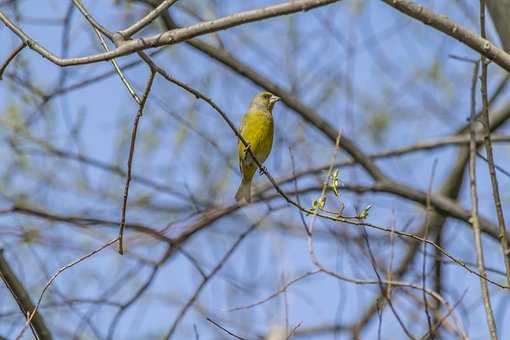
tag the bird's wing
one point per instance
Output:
(256, 129)
(241, 147)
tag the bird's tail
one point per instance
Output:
(244, 191)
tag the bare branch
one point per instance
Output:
(10, 58)
(278, 292)
(99, 29)
(213, 272)
(500, 11)
(425, 236)
(130, 158)
(22, 298)
(96, 25)
(150, 17)
(54, 277)
(452, 29)
(170, 37)
(386, 296)
(225, 330)
(474, 213)
(490, 153)
(82, 221)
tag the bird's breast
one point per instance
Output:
(257, 130)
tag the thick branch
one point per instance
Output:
(500, 12)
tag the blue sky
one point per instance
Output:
(398, 69)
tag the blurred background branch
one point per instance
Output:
(399, 94)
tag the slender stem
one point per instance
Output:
(450, 28)
(100, 29)
(169, 37)
(22, 297)
(424, 262)
(474, 214)
(140, 24)
(490, 153)
(121, 74)
(34, 312)
(134, 131)
(11, 57)
(91, 20)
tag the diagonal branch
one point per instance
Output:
(474, 214)
(490, 153)
(11, 57)
(134, 131)
(91, 20)
(22, 298)
(150, 17)
(99, 29)
(452, 29)
(500, 12)
(213, 272)
(33, 313)
(169, 37)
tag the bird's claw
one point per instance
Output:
(262, 170)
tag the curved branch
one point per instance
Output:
(22, 298)
(169, 37)
(452, 29)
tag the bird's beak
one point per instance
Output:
(274, 99)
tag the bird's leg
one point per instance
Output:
(262, 170)
(246, 148)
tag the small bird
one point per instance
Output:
(257, 131)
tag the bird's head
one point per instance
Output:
(265, 101)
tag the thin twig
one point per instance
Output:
(91, 20)
(169, 37)
(388, 185)
(54, 277)
(381, 287)
(225, 330)
(276, 293)
(229, 122)
(121, 74)
(99, 29)
(22, 298)
(489, 151)
(498, 167)
(436, 326)
(138, 292)
(209, 218)
(301, 214)
(134, 131)
(11, 57)
(294, 329)
(213, 272)
(474, 213)
(425, 236)
(146, 20)
(443, 24)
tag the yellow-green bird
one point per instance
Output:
(257, 130)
